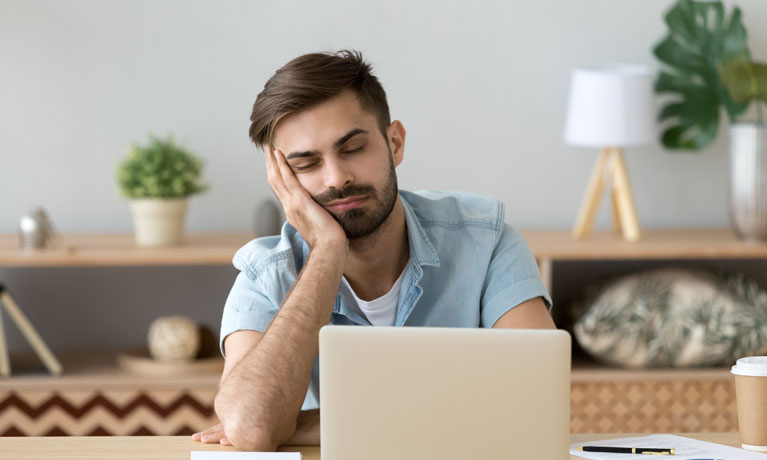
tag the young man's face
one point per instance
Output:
(340, 157)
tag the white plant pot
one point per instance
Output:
(159, 221)
(748, 180)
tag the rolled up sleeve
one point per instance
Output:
(512, 278)
(246, 308)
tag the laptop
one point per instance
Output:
(444, 393)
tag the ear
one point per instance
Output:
(395, 134)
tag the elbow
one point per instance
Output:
(245, 433)
(251, 439)
(252, 435)
(246, 430)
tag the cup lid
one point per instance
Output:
(755, 366)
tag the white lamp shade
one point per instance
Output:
(610, 107)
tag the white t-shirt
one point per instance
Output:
(381, 311)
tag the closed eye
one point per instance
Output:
(303, 167)
(355, 150)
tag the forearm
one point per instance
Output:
(262, 396)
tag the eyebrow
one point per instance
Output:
(336, 145)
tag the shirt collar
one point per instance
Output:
(420, 245)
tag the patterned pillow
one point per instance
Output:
(673, 318)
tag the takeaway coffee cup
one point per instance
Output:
(751, 395)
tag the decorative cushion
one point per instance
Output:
(673, 318)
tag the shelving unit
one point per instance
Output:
(607, 399)
(95, 397)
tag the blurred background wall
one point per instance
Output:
(480, 86)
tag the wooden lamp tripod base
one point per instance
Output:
(624, 217)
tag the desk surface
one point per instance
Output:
(179, 447)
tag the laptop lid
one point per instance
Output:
(443, 393)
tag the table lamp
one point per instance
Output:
(610, 108)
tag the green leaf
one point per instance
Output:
(671, 52)
(679, 20)
(161, 169)
(734, 39)
(744, 80)
(698, 40)
(671, 110)
(669, 83)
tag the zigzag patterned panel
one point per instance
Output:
(105, 413)
(596, 407)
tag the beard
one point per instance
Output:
(360, 222)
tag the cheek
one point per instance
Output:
(382, 170)
(311, 183)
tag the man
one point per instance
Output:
(355, 250)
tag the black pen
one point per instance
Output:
(628, 450)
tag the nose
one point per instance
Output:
(337, 174)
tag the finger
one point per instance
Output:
(288, 177)
(269, 158)
(210, 438)
(225, 442)
(212, 434)
(200, 434)
(293, 188)
(274, 174)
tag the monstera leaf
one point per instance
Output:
(699, 40)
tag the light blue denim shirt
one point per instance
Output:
(466, 269)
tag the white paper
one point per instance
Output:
(213, 455)
(685, 449)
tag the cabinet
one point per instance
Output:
(618, 400)
(94, 397)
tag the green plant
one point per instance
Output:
(745, 80)
(709, 66)
(160, 169)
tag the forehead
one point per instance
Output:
(319, 127)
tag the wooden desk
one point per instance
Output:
(179, 447)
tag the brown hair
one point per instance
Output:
(311, 79)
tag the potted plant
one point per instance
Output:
(158, 178)
(709, 66)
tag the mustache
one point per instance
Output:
(339, 194)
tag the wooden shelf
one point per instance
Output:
(655, 244)
(121, 250)
(94, 370)
(100, 370)
(82, 249)
(587, 370)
